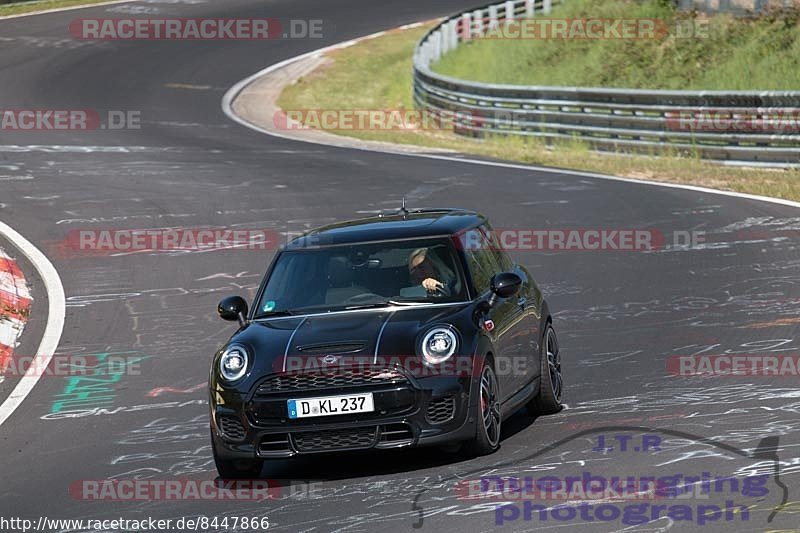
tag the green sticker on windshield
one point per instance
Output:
(269, 306)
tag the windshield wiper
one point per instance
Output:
(272, 314)
(408, 303)
(331, 309)
(386, 303)
(373, 305)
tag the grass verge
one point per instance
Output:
(18, 8)
(686, 51)
(381, 69)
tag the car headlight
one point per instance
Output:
(233, 363)
(438, 345)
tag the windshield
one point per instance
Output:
(363, 275)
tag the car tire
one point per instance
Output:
(551, 384)
(487, 415)
(236, 468)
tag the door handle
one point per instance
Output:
(521, 301)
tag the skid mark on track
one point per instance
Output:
(158, 391)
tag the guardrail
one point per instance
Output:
(747, 127)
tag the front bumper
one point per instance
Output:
(408, 412)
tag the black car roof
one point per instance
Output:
(418, 223)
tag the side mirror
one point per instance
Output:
(504, 285)
(233, 308)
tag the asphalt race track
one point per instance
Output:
(620, 314)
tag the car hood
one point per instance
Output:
(358, 335)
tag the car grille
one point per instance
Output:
(231, 427)
(344, 378)
(396, 434)
(338, 439)
(441, 410)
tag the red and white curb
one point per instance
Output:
(56, 313)
(15, 306)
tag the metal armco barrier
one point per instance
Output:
(748, 127)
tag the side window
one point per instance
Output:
(481, 260)
(500, 255)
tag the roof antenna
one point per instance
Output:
(403, 209)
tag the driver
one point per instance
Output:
(426, 268)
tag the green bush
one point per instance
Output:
(756, 53)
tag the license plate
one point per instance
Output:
(331, 405)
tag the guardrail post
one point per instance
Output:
(453, 34)
(448, 36)
(437, 45)
(477, 15)
(530, 8)
(509, 10)
(547, 7)
(466, 27)
(492, 16)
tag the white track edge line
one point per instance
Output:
(56, 314)
(235, 90)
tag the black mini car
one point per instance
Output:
(403, 330)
